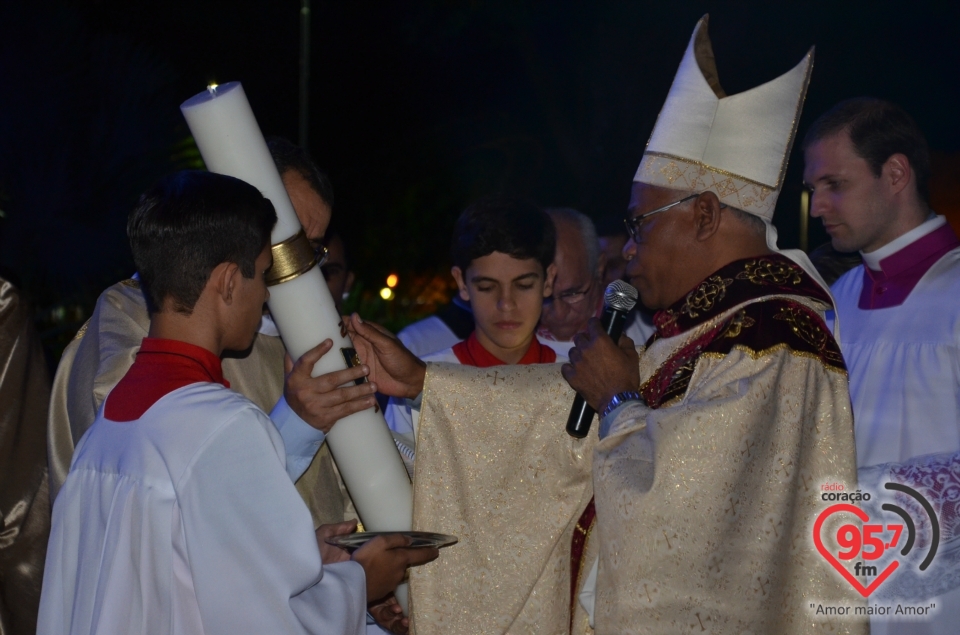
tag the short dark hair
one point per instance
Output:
(511, 226)
(189, 223)
(287, 156)
(878, 129)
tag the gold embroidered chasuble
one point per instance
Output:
(495, 467)
(102, 353)
(705, 494)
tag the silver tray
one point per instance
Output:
(417, 539)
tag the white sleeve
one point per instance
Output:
(588, 592)
(300, 440)
(402, 414)
(250, 544)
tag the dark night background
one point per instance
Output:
(415, 109)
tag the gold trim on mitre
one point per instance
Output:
(738, 145)
(291, 258)
(676, 173)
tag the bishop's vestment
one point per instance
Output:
(706, 490)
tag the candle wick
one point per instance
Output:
(212, 88)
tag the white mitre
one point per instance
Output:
(735, 146)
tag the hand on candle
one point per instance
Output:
(394, 369)
(329, 553)
(324, 400)
(385, 560)
(389, 616)
(598, 368)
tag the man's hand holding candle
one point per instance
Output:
(389, 615)
(322, 401)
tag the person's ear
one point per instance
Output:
(226, 281)
(349, 283)
(551, 276)
(896, 171)
(457, 274)
(706, 215)
(601, 265)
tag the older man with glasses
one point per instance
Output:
(578, 287)
(715, 438)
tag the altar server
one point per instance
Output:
(503, 251)
(177, 514)
(867, 164)
(106, 345)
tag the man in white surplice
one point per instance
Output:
(867, 164)
(178, 514)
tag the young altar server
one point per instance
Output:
(178, 514)
(502, 252)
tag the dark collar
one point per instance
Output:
(733, 284)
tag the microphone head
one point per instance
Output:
(620, 296)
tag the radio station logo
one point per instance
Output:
(879, 544)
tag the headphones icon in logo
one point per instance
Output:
(908, 521)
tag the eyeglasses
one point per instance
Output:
(571, 298)
(634, 224)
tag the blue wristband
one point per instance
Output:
(620, 398)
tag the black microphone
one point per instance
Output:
(618, 300)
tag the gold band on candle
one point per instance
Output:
(291, 258)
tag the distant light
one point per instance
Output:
(386, 293)
(392, 280)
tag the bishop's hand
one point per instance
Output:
(395, 370)
(598, 368)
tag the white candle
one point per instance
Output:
(231, 143)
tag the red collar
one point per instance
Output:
(471, 352)
(900, 272)
(161, 366)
